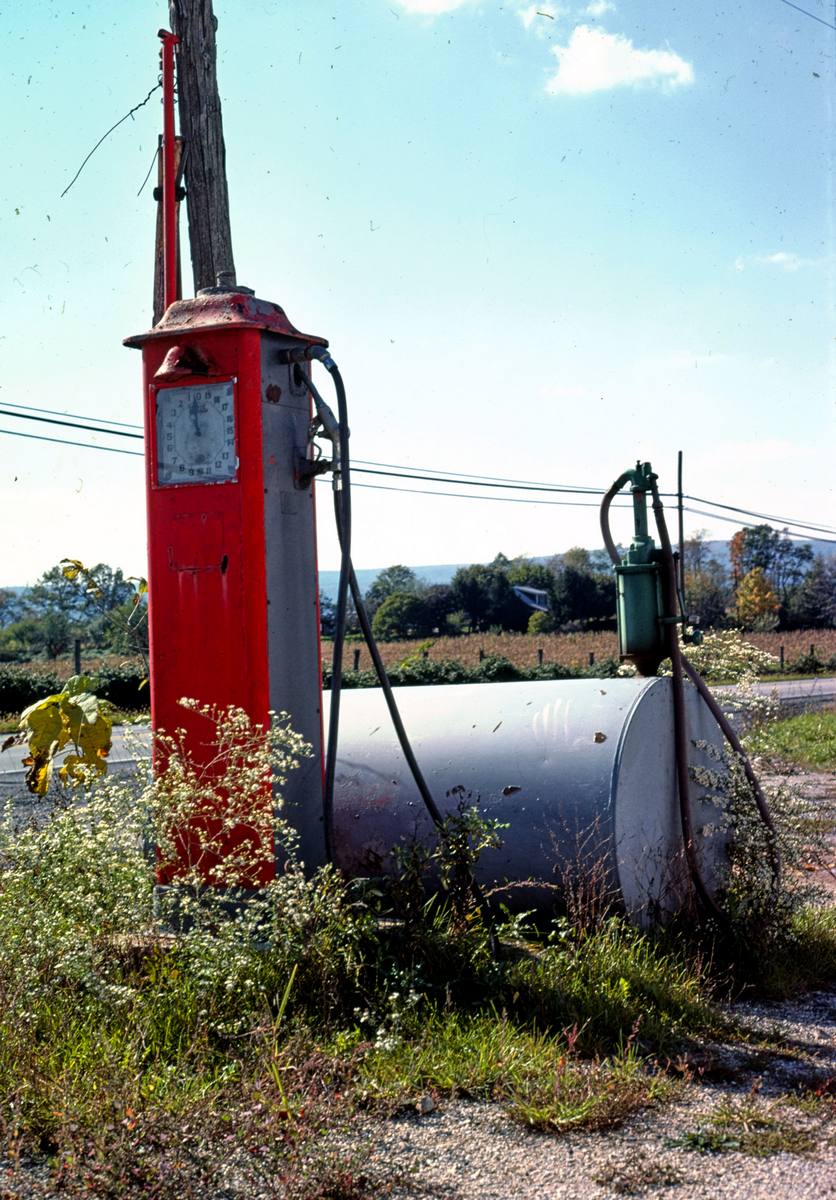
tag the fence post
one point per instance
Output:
(781, 657)
(77, 655)
(356, 659)
(592, 658)
(540, 657)
(481, 654)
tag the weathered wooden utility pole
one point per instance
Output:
(201, 127)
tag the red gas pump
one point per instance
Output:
(232, 573)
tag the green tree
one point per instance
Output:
(813, 603)
(85, 598)
(707, 590)
(327, 615)
(401, 615)
(540, 622)
(483, 593)
(11, 606)
(438, 599)
(397, 578)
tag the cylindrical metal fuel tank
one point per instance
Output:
(581, 771)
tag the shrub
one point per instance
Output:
(540, 622)
(21, 686)
(125, 687)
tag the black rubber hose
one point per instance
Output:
(609, 496)
(342, 502)
(389, 696)
(680, 720)
(342, 513)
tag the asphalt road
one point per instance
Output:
(132, 741)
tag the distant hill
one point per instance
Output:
(439, 573)
(444, 572)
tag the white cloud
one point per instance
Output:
(597, 8)
(596, 61)
(432, 7)
(781, 258)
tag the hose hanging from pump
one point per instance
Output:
(671, 618)
(336, 429)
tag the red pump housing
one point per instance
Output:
(232, 572)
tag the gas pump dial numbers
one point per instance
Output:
(196, 434)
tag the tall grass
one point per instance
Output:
(148, 1061)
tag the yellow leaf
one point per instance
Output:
(38, 776)
(70, 769)
(43, 725)
(71, 568)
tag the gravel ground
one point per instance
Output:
(472, 1151)
(468, 1151)
(462, 1150)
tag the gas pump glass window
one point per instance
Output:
(196, 434)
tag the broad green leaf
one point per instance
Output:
(55, 698)
(80, 683)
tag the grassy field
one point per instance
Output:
(148, 1063)
(522, 649)
(808, 740)
(567, 649)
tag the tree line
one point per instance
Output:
(770, 582)
(98, 605)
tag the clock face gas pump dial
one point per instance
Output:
(195, 429)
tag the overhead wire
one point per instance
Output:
(35, 437)
(417, 474)
(70, 424)
(76, 416)
(764, 516)
(812, 16)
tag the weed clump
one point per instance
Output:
(156, 1039)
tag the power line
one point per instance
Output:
(812, 16)
(70, 424)
(382, 487)
(737, 521)
(63, 442)
(581, 490)
(461, 481)
(77, 416)
(765, 516)
(425, 475)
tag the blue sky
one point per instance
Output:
(543, 240)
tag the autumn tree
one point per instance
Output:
(756, 604)
(783, 561)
